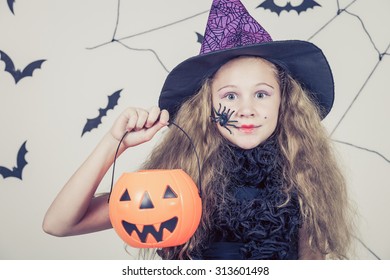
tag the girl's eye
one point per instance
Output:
(230, 96)
(261, 94)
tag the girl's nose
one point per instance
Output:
(246, 109)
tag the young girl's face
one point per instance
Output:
(249, 87)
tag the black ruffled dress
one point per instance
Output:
(250, 222)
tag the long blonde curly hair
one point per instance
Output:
(310, 168)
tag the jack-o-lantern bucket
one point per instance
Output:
(155, 208)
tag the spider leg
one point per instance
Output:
(215, 115)
(223, 117)
(229, 123)
(224, 109)
(219, 110)
(230, 115)
(228, 129)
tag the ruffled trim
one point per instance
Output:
(250, 211)
(250, 167)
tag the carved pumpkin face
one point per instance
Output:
(155, 208)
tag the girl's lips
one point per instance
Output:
(247, 128)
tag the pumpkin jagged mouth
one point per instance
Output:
(169, 225)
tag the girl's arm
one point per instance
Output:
(75, 210)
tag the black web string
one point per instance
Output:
(368, 248)
(120, 40)
(192, 145)
(148, 50)
(362, 148)
(339, 11)
(117, 20)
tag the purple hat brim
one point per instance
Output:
(304, 61)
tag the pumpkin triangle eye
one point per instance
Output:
(146, 202)
(125, 196)
(169, 193)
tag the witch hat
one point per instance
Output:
(232, 32)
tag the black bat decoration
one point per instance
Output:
(20, 164)
(16, 73)
(94, 123)
(11, 5)
(199, 37)
(306, 4)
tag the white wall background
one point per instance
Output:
(50, 109)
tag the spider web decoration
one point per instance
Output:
(121, 40)
(381, 54)
(342, 11)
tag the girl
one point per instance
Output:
(253, 109)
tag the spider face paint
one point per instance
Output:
(222, 118)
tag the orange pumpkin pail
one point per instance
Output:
(155, 208)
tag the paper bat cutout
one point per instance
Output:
(20, 164)
(16, 73)
(94, 123)
(306, 4)
(199, 37)
(11, 5)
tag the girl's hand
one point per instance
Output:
(141, 124)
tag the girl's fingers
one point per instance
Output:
(154, 114)
(142, 116)
(132, 117)
(163, 121)
(137, 119)
(164, 117)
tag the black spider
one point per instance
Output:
(223, 117)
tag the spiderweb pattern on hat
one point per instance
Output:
(229, 25)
